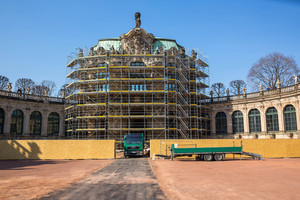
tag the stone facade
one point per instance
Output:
(27, 104)
(262, 101)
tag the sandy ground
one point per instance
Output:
(179, 179)
(231, 179)
(31, 179)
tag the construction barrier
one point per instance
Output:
(57, 149)
(268, 148)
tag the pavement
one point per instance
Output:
(131, 178)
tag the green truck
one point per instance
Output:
(210, 153)
(133, 145)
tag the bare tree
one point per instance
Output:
(3, 82)
(236, 86)
(68, 91)
(38, 90)
(218, 89)
(50, 85)
(270, 68)
(23, 83)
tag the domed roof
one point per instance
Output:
(108, 43)
(157, 43)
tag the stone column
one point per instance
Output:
(246, 122)
(280, 118)
(7, 119)
(61, 124)
(26, 122)
(263, 121)
(44, 123)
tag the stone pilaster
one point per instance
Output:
(280, 118)
(44, 123)
(263, 121)
(229, 123)
(298, 116)
(246, 122)
(7, 119)
(26, 122)
(61, 124)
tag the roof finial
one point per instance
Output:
(137, 20)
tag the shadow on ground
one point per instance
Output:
(20, 164)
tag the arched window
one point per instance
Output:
(16, 126)
(237, 122)
(1, 120)
(221, 123)
(272, 119)
(53, 124)
(290, 122)
(254, 121)
(35, 123)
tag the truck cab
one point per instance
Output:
(133, 145)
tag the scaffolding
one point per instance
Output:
(161, 94)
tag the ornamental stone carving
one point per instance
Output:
(173, 51)
(278, 83)
(296, 79)
(137, 41)
(100, 51)
(194, 53)
(9, 87)
(27, 90)
(91, 51)
(261, 87)
(244, 90)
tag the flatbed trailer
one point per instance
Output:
(210, 153)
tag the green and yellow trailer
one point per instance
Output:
(210, 153)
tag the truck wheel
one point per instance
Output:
(208, 157)
(218, 157)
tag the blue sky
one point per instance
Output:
(36, 37)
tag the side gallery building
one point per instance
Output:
(139, 83)
(266, 114)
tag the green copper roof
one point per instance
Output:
(165, 43)
(108, 43)
(116, 43)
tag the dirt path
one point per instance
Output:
(31, 179)
(123, 179)
(231, 179)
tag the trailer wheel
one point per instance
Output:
(218, 157)
(208, 157)
(202, 157)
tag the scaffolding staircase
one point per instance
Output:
(182, 95)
